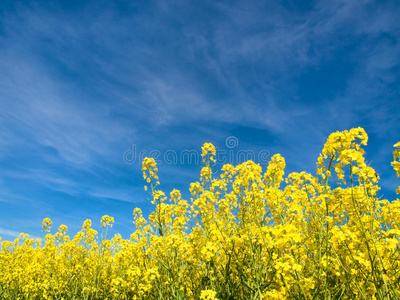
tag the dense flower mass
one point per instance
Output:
(244, 234)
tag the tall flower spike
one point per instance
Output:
(106, 221)
(208, 149)
(149, 165)
(396, 162)
(46, 224)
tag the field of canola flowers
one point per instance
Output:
(245, 234)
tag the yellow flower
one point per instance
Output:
(208, 149)
(395, 163)
(106, 221)
(208, 295)
(46, 224)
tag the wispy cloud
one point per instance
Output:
(117, 195)
(12, 234)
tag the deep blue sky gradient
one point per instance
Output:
(82, 83)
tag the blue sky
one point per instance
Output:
(86, 84)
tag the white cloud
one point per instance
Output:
(12, 234)
(117, 194)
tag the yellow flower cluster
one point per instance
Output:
(208, 151)
(396, 162)
(208, 295)
(106, 221)
(245, 234)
